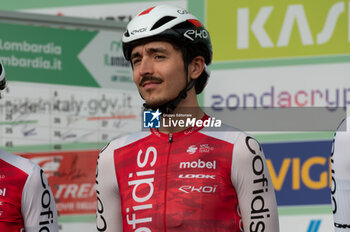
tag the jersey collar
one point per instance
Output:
(179, 134)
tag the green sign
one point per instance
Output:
(64, 56)
(46, 55)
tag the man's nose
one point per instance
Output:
(146, 67)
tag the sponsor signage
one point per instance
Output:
(147, 177)
(245, 30)
(317, 85)
(306, 223)
(49, 59)
(198, 164)
(47, 213)
(300, 172)
(71, 179)
(64, 56)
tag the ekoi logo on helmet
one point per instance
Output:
(134, 32)
(195, 34)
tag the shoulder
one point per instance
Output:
(25, 165)
(342, 138)
(107, 153)
(344, 128)
(28, 178)
(341, 149)
(124, 141)
(240, 139)
(225, 133)
(233, 135)
(246, 150)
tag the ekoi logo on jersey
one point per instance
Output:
(198, 189)
(140, 181)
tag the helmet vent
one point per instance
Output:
(162, 21)
(184, 25)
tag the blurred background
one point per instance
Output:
(70, 91)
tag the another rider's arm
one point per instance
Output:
(108, 215)
(251, 179)
(340, 190)
(38, 203)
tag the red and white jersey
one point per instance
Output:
(340, 162)
(26, 200)
(193, 180)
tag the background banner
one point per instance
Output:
(70, 92)
(64, 56)
(248, 30)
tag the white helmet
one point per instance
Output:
(165, 21)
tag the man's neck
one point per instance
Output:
(187, 108)
(176, 120)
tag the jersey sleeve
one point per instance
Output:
(38, 204)
(340, 190)
(252, 182)
(108, 215)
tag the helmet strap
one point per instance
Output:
(169, 106)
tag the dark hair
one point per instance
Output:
(189, 53)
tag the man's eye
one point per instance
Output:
(135, 61)
(159, 57)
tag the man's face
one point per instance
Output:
(158, 71)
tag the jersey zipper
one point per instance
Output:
(166, 180)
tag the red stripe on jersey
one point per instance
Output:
(146, 11)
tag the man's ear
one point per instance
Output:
(196, 67)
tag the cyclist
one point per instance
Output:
(175, 178)
(340, 162)
(26, 200)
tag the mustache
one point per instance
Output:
(150, 78)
